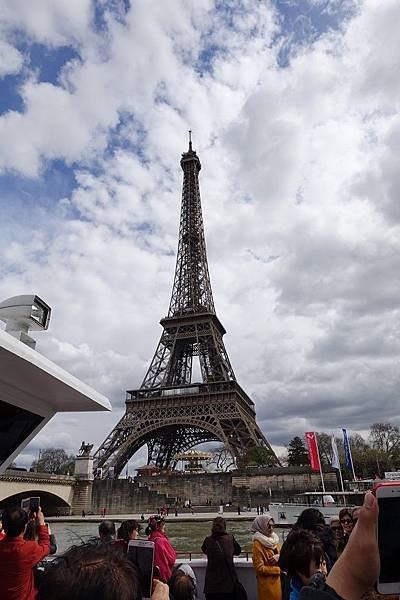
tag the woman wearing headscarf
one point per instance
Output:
(266, 550)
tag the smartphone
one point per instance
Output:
(34, 503)
(388, 497)
(141, 553)
(31, 505)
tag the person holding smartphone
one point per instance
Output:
(19, 556)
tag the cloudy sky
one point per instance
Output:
(294, 105)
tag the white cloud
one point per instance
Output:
(299, 187)
(47, 22)
(11, 59)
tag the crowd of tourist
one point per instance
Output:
(316, 561)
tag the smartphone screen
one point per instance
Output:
(25, 504)
(141, 553)
(389, 539)
(34, 504)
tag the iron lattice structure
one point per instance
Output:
(168, 412)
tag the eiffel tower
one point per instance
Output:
(169, 412)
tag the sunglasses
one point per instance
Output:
(346, 521)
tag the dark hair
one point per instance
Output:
(106, 529)
(181, 586)
(91, 572)
(218, 526)
(155, 522)
(345, 512)
(302, 548)
(126, 528)
(14, 521)
(310, 518)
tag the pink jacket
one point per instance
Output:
(164, 554)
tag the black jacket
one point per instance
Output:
(220, 575)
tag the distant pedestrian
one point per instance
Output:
(238, 509)
(258, 509)
(83, 513)
(176, 511)
(142, 517)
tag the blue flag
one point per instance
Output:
(347, 451)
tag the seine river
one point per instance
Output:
(184, 536)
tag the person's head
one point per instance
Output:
(14, 521)
(182, 584)
(91, 572)
(107, 530)
(310, 518)
(156, 523)
(305, 555)
(263, 524)
(128, 530)
(218, 526)
(346, 520)
(336, 526)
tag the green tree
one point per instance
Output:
(54, 460)
(259, 456)
(297, 453)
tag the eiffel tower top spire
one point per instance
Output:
(191, 291)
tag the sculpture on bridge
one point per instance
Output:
(85, 449)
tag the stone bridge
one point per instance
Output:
(56, 492)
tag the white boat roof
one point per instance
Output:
(27, 376)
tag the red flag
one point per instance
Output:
(311, 440)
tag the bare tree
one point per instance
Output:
(54, 460)
(223, 459)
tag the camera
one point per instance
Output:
(22, 313)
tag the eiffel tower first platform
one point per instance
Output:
(169, 412)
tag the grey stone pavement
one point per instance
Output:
(184, 517)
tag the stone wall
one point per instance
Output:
(254, 486)
(121, 496)
(196, 487)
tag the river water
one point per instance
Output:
(184, 536)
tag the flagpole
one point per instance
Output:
(335, 462)
(341, 483)
(347, 442)
(320, 467)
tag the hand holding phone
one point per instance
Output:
(40, 517)
(357, 568)
(388, 496)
